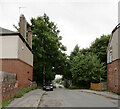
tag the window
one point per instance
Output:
(110, 55)
(115, 78)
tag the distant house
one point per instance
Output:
(113, 61)
(16, 54)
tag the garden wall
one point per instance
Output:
(9, 89)
(8, 85)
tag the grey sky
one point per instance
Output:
(80, 21)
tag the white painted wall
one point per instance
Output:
(24, 53)
(119, 43)
(9, 47)
(114, 45)
(13, 47)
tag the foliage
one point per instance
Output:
(48, 55)
(48, 50)
(89, 65)
(86, 68)
(5, 103)
(67, 73)
(58, 80)
(73, 87)
(99, 47)
(74, 52)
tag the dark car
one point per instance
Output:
(48, 87)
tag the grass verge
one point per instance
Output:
(6, 102)
(18, 95)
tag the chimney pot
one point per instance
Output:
(30, 37)
(23, 26)
(29, 29)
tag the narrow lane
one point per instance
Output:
(71, 98)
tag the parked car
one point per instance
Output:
(60, 86)
(48, 87)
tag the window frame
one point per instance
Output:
(110, 56)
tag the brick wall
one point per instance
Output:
(111, 68)
(8, 85)
(11, 84)
(9, 89)
(23, 71)
(0, 92)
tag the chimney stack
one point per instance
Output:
(23, 26)
(30, 37)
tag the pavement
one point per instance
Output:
(62, 97)
(30, 99)
(102, 93)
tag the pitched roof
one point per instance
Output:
(112, 34)
(5, 32)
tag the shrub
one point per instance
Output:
(73, 87)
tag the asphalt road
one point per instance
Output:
(61, 97)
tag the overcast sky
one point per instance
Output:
(80, 21)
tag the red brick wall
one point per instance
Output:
(0, 92)
(23, 70)
(9, 89)
(111, 76)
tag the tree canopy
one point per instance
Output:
(47, 48)
(89, 64)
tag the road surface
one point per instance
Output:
(62, 97)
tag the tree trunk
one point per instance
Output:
(43, 75)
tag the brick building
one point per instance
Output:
(16, 54)
(113, 61)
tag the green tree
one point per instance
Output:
(74, 52)
(99, 47)
(58, 80)
(67, 75)
(86, 69)
(47, 48)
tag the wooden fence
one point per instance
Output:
(99, 86)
